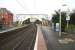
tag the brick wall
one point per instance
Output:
(6, 16)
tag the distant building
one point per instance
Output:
(6, 17)
(45, 22)
(23, 17)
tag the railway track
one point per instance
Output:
(20, 39)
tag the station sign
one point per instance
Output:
(68, 17)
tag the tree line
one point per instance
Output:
(55, 19)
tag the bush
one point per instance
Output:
(71, 28)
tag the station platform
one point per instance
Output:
(40, 43)
(10, 29)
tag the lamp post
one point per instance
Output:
(67, 19)
(67, 15)
(59, 22)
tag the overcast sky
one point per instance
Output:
(35, 6)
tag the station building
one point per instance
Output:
(6, 18)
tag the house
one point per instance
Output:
(6, 17)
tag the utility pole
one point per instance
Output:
(59, 22)
(68, 18)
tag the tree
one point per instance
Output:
(26, 21)
(55, 19)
